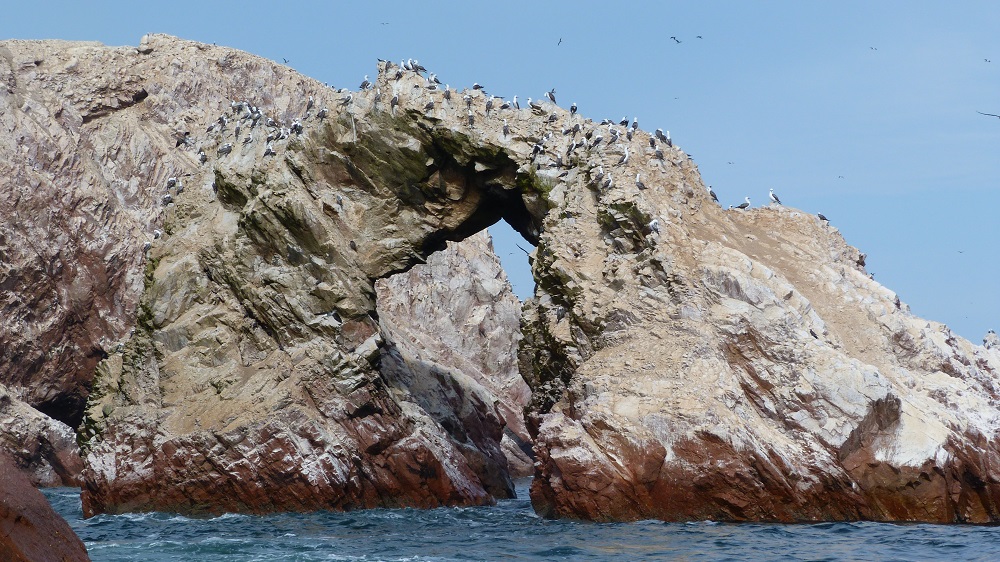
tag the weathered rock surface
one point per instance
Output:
(742, 366)
(30, 530)
(44, 448)
(451, 329)
(686, 362)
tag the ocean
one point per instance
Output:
(509, 530)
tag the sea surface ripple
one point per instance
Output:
(508, 531)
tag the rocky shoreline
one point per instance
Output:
(248, 291)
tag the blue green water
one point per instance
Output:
(508, 531)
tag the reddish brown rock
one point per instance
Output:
(685, 361)
(30, 530)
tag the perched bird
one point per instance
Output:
(269, 151)
(393, 103)
(638, 182)
(183, 138)
(516, 105)
(654, 226)
(472, 119)
(447, 92)
(597, 141)
(659, 154)
(506, 129)
(712, 193)
(624, 121)
(202, 157)
(225, 149)
(167, 199)
(600, 174)
(660, 136)
(429, 105)
(322, 114)
(551, 94)
(347, 100)
(745, 204)
(572, 109)
(157, 234)
(489, 105)
(635, 123)
(774, 197)
(624, 158)
(378, 95)
(476, 86)
(366, 84)
(652, 143)
(433, 78)
(668, 142)
(607, 182)
(310, 103)
(248, 139)
(468, 101)
(823, 218)
(171, 181)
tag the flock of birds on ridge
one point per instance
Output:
(248, 118)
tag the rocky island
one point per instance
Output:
(248, 291)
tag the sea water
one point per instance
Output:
(509, 530)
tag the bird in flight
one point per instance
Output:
(560, 42)
(284, 59)
(676, 40)
(990, 114)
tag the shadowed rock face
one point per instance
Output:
(686, 362)
(29, 529)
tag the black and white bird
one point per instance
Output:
(506, 128)
(393, 103)
(171, 181)
(476, 86)
(607, 182)
(347, 100)
(551, 94)
(624, 158)
(447, 92)
(654, 226)
(660, 136)
(489, 105)
(366, 84)
(472, 119)
(202, 157)
(638, 182)
(823, 218)
(600, 175)
(322, 114)
(572, 109)
(745, 204)
(429, 105)
(269, 151)
(310, 103)
(624, 121)
(225, 149)
(667, 141)
(635, 123)
(248, 139)
(774, 197)
(712, 193)
(516, 105)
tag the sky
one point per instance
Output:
(864, 111)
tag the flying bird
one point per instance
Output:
(560, 42)
(990, 114)
(676, 40)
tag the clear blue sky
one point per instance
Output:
(789, 95)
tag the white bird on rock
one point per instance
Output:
(774, 197)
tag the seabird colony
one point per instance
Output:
(582, 146)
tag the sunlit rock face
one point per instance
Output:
(685, 361)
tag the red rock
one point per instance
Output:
(29, 529)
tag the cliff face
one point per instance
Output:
(451, 329)
(686, 362)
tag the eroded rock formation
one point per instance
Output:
(452, 327)
(686, 361)
(44, 448)
(29, 528)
